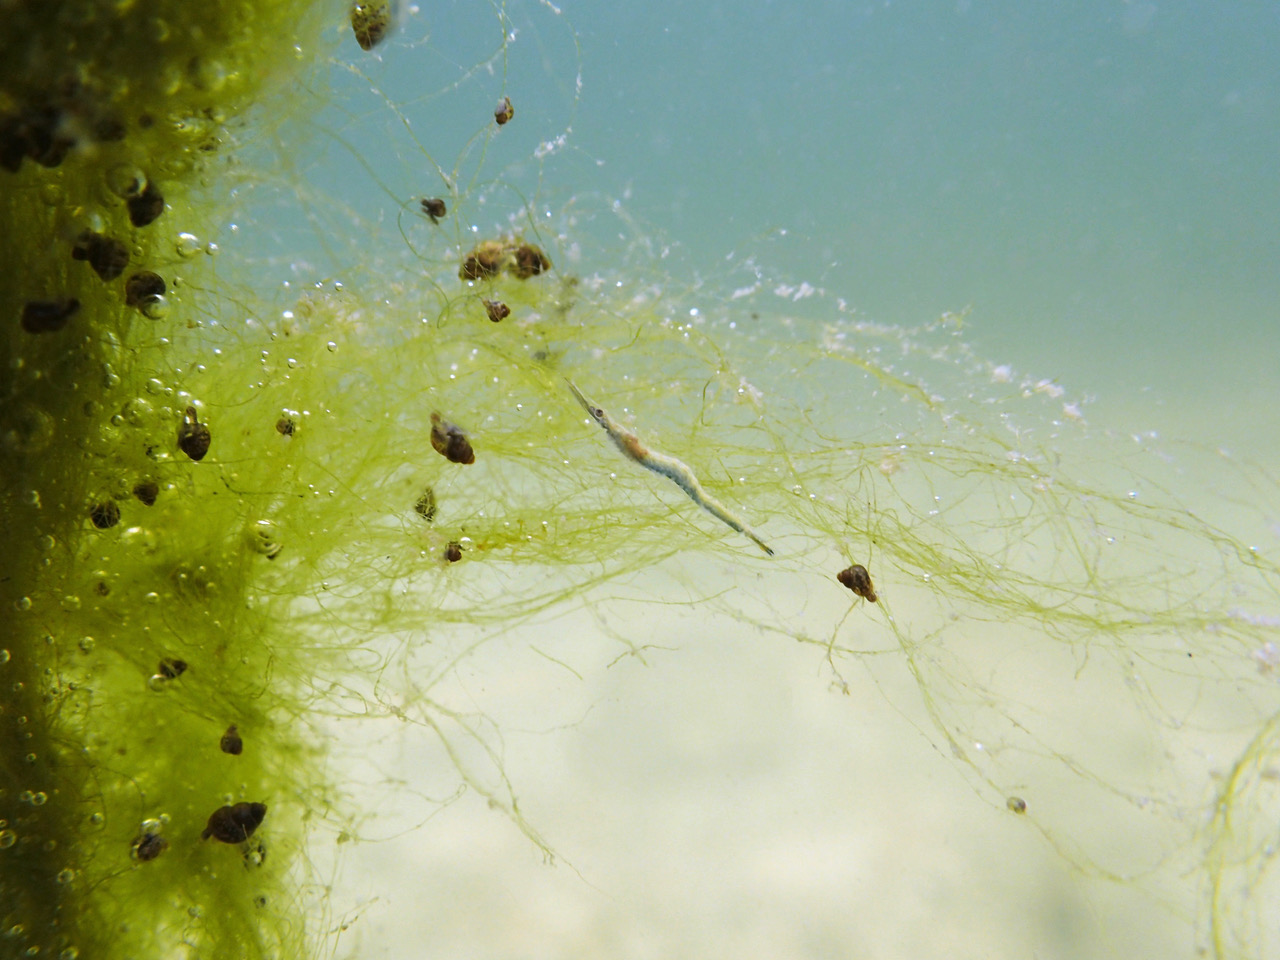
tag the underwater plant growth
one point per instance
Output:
(128, 644)
(246, 517)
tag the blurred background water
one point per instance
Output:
(1095, 182)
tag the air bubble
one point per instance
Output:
(86, 644)
(126, 181)
(263, 537)
(158, 682)
(188, 245)
(331, 346)
(154, 308)
(39, 798)
(137, 410)
(22, 604)
(70, 953)
(65, 875)
(4, 657)
(154, 387)
(7, 839)
(140, 538)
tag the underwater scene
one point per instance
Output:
(504, 479)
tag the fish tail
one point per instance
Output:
(721, 513)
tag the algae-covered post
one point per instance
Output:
(112, 117)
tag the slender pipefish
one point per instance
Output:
(674, 470)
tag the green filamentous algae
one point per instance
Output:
(131, 635)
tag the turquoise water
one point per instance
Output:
(1097, 180)
(1094, 182)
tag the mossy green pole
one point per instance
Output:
(125, 647)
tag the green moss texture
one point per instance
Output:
(127, 648)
